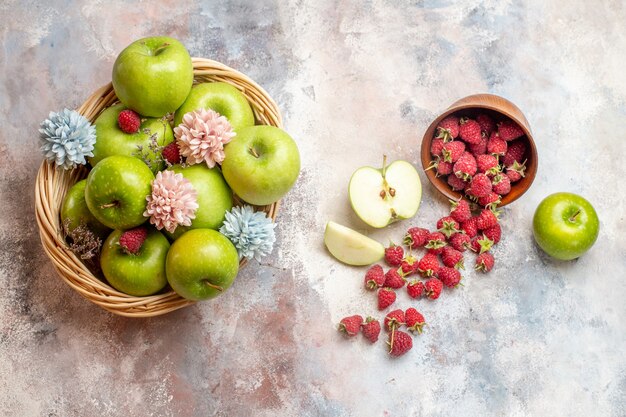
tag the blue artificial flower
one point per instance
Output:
(67, 138)
(251, 232)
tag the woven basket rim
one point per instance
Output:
(52, 184)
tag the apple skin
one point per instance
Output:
(74, 210)
(222, 98)
(562, 233)
(141, 274)
(116, 191)
(153, 76)
(111, 140)
(261, 164)
(201, 264)
(214, 197)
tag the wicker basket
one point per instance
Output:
(52, 184)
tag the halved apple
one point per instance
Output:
(382, 196)
(350, 246)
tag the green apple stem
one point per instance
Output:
(208, 284)
(574, 216)
(253, 152)
(109, 205)
(161, 48)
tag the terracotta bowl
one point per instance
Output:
(497, 107)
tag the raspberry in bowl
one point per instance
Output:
(482, 148)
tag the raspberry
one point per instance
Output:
(371, 329)
(435, 242)
(515, 153)
(487, 164)
(393, 279)
(501, 184)
(394, 255)
(469, 227)
(409, 266)
(436, 146)
(465, 166)
(480, 186)
(509, 130)
(442, 167)
(484, 262)
(494, 233)
(452, 151)
(452, 258)
(481, 244)
(416, 237)
(448, 226)
(486, 219)
(171, 153)
(374, 277)
(414, 320)
(350, 325)
(516, 171)
(460, 210)
(486, 123)
(456, 183)
(469, 130)
(433, 288)
(479, 148)
(415, 288)
(393, 320)
(448, 128)
(131, 240)
(496, 145)
(386, 297)
(129, 121)
(428, 265)
(460, 241)
(450, 277)
(399, 343)
(491, 200)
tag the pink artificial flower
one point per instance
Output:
(172, 202)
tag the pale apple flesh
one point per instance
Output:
(350, 246)
(380, 199)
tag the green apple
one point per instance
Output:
(153, 76)
(214, 197)
(116, 191)
(350, 246)
(111, 140)
(222, 98)
(565, 225)
(141, 274)
(261, 164)
(382, 196)
(74, 211)
(201, 264)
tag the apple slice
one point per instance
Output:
(382, 196)
(351, 247)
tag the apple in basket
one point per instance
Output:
(222, 98)
(74, 212)
(153, 76)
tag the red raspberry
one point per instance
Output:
(486, 123)
(501, 184)
(469, 227)
(171, 154)
(371, 329)
(487, 164)
(452, 258)
(481, 244)
(486, 219)
(132, 240)
(456, 183)
(469, 130)
(479, 186)
(516, 171)
(448, 128)
(394, 255)
(479, 148)
(350, 325)
(415, 288)
(509, 130)
(460, 241)
(414, 320)
(386, 297)
(428, 265)
(491, 200)
(435, 242)
(465, 167)
(436, 146)
(129, 121)
(409, 266)
(452, 151)
(460, 210)
(515, 153)
(433, 288)
(442, 167)
(393, 279)
(416, 237)
(484, 262)
(448, 226)
(399, 343)
(496, 145)
(374, 277)
(393, 320)
(450, 277)
(493, 233)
